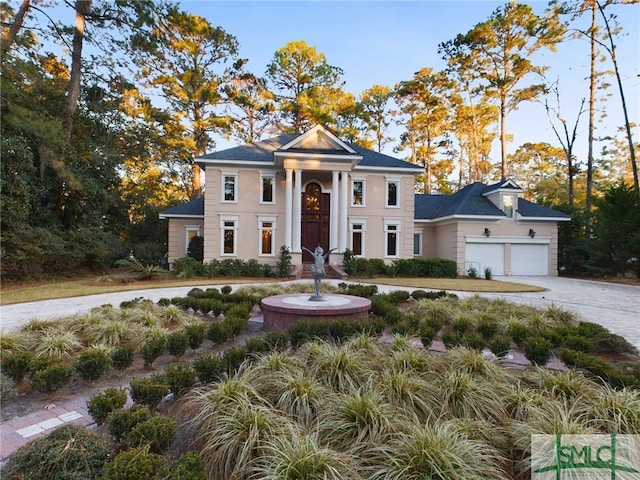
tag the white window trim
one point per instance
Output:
(514, 202)
(223, 228)
(234, 174)
(187, 230)
(390, 180)
(261, 220)
(392, 222)
(352, 223)
(272, 176)
(419, 254)
(364, 190)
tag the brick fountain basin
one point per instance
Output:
(280, 311)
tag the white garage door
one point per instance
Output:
(529, 259)
(483, 255)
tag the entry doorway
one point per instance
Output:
(315, 221)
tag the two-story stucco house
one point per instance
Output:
(310, 189)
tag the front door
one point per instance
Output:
(316, 213)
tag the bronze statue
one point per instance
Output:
(317, 269)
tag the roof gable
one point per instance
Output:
(318, 139)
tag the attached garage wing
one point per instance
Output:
(485, 255)
(529, 259)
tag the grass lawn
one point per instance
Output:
(93, 286)
(456, 284)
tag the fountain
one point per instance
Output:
(280, 311)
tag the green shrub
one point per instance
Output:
(599, 368)
(518, 331)
(233, 358)
(122, 357)
(92, 363)
(607, 342)
(195, 333)
(122, 420)
(180, 377)
(226, 290)
(473, 340)
(277, 340)
(188, 466)
(488, 275)
(537, 350)
(51, 378)
(17, 364)
(7, 387)
(461, 325)
(451, 338)
(70, 452)
(149, 390)
(500, 344)
(382, 307)
(340, 330)
(218, 332)
(576, 342)
(188, 267)
(256, 345)
(427, 334)
(210, 367)
(152, 348)
(298, 333)
(156, 432)
(235, 324)
(357, 289)
(472, 272)
(177, 343)
(137, 464)
(103, 403)
(423, 267)
(487, 328)
(195, 249)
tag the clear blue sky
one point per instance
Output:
(382, 42)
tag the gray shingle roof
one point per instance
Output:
(263, 150)
(194, 208)
(470, 201)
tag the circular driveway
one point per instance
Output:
(614, 306)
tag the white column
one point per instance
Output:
(297, 210)
(288, 207)
(344, 203)
(335, 211)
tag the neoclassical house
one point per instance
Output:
(310, 189)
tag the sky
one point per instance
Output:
(385, 42)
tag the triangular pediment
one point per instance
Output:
(318, 139)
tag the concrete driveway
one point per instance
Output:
(614, 306)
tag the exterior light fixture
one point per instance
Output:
(487, 232)
(532, 232)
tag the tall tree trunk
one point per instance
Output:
(592, 101)
(10, 35)
(82, 8)
(612, 52)
(503, 136)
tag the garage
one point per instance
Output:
(485, 255)
(529, 259)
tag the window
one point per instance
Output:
(267, 188)
(393, 190)
(392, 237)
(191, 231)
(229, 227)
(357, 228)
(229, 184)
(357, 193)
(267, 226)
(507, 206)
(417, 244)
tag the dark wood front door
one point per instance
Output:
(316, 214)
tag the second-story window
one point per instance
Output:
(229, 187)
(357, 193)
(393, 189)
(507, 206)
(267, 194)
